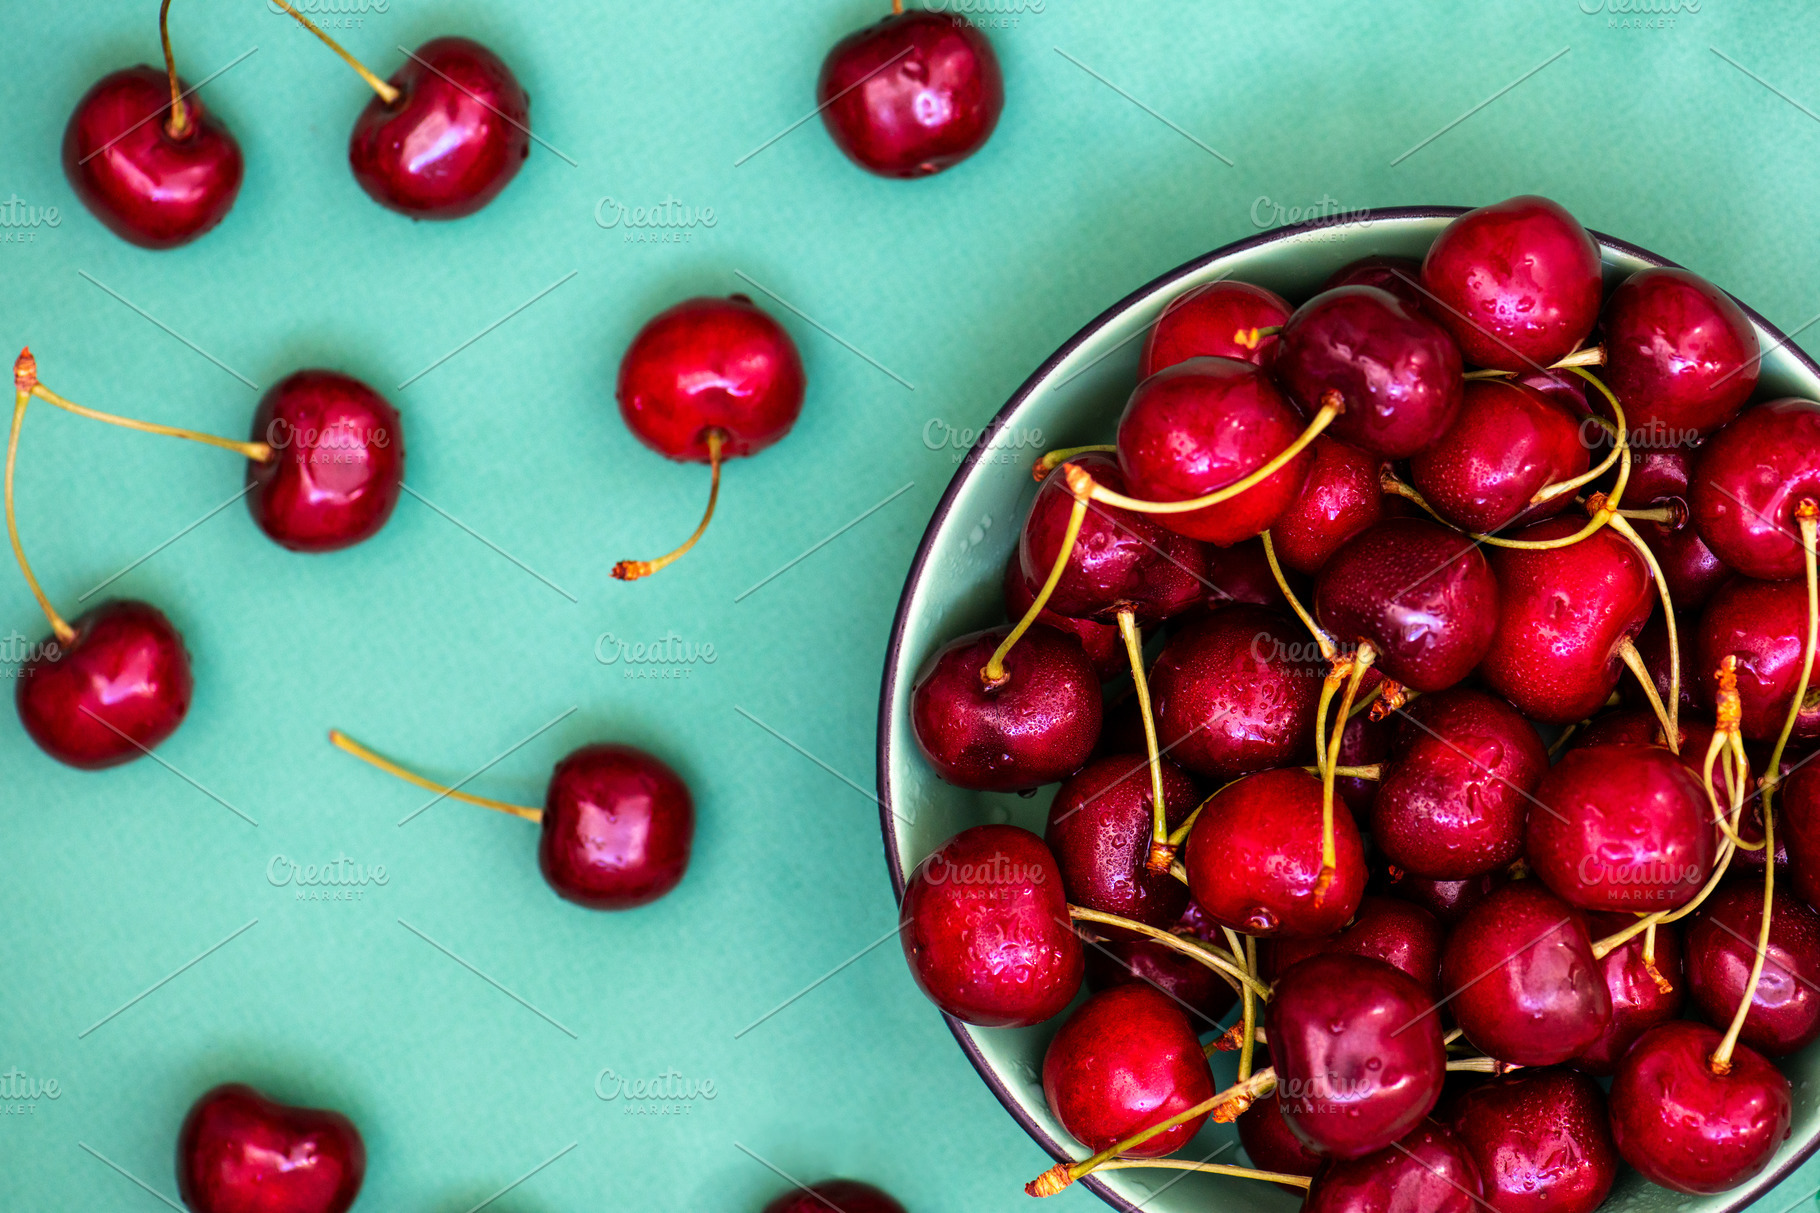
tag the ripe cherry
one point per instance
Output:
(1541, 1141)
(1037, 726)
(1099, 830)
(1621, 827)
(151, 163)
(1448, 900)
(1430, 1170)
(1516, 283)
(1524, 982)
(984, 924)
(617, 823)
(1662, 479)
(835, 1196)
(1508, 442)
(1421, 595)
(1366, 743)
(1456, 789)
(1340, 497)
(1400, 276)
(337, 466)
(1750, 478)
(1680, 356)
(111, 690)
(706, 380)
(452, 134)
(1396, 371)
(1235, 692)
(912, 95)
(1638, 1001)
(1764, 625)
(1104, 646)
(1271, 1144)
(1241, 573)
(1358, 1053)
(1784, 1015)
(1124, 1060)
(1201, 425)
(1399, 933)
(241, 1152)
(1220, 319)
(1566, 615)
(1254, 855)
(1120, 560)
(1687, 1127)
(1799, 823)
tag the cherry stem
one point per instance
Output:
(632, 570)
(1592, 355)
(1672, 729)
(1213, 958)
(1331, 406)
(1807, 516)
(1209, 1168)
(1567, 733)
(1374, 771)
(1634, 660)
(1320, 634)
(1248, 1018)
(386, 92)
(1053, 459)
(1715, 749)
(1649, 962)
(25, 374)
(258, 452)
(343, 742)
(992, 674)
(1357, 664)
(179, 125)
(1226, 1107)
(1253, 337)
(1160, 850)
(1721, 1060)
(897, 8)
(1660, 513)
(1549, 492)
(1481, 1065)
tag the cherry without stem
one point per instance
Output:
(1680, 356)
(1202, 993)
(1126, 1059)
(1784, 1016)
(241, 1152)
(1638, 1000)
(1397, 932)
(1104, 647)
(1508, 442)
(1541, 1141)
(1340, 497)
(1430, 1169)
(837, 1196)
(1764, 625)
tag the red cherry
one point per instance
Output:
(1507, 443)
(337, 466)
(1100, 833)
(1429, 1170)
(1197, 989)
(1121, 560)
(114, 692)
(1104, 646)
(1456, 791)
(1526, 987)
(1236, 692)
(149, 186)
(451, 141)
(1399, 276)
(1035, 727)
(1339, 498)
(1447, 900)
(985, 927)
(1358, 1053)
(1621, 827)
(1764, 625)
(1124, 1060)
(706, 380)
(1271, 1144)
(1662, 479)
(912, 95)
(1397, 372)
(1366, 743)
(617, 827)
(1517, 283)
(1241, 573)
(1784, 1015)
(240, 1152)
(1217, 320)
(835, 1196)
(1541, 1141)
(1399, 933)
(1799, 823)
(1254, 855)
(1201, 425)
(1680, 356)
(1687, 1128)
(1638, 1003)
(1566, 614)
(1420, 594)
(1748, 481)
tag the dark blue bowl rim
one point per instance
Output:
(1060, 1151)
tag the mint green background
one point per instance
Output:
(434, 648)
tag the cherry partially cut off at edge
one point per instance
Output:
(240, 1151)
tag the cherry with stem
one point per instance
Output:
(632, 570)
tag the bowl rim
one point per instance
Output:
(1062, 1151)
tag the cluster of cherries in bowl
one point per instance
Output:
(1517, 506)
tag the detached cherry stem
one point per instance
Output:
(179, 124)
(25, 377)
(992, 674)
(386, 92)
(632, 570)
(343, 742)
